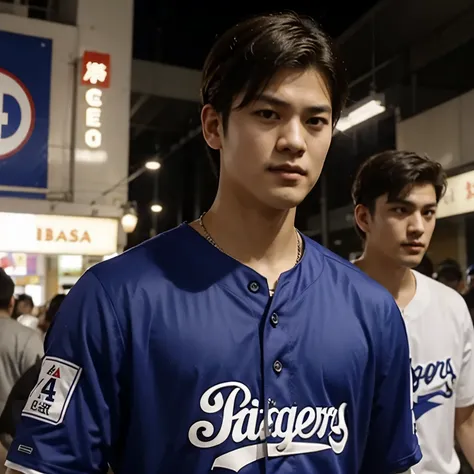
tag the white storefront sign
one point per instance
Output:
(95, 74)
(51, 234)
(93, 135)
(459, 197)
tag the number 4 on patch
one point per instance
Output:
(57, 381)
(48, 390)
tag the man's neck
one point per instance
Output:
(263, 239)
(4, 314)
(398, 280)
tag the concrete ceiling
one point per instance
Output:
(398, 36)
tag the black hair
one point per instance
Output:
(247, 56)
(53, 307)
(25, 299)
(426, 266)
(449, 273)
(7, 288)
(394, 173)
(449, 262)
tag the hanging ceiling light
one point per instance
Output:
(153, 165)
(361, 111)
(156, 208)
(130, 218)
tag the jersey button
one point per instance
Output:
(274, 320)
(277, 366)
(254, 287)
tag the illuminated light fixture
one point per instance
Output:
(361, 112)
(129, 219)
(156, 208)
(153, 165)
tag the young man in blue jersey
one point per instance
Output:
(396, 194)
(234, 343)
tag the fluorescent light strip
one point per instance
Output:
(360, 114)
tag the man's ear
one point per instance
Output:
(211, 127)
(362, 218)
(12, 304)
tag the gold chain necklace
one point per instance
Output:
(209, 238)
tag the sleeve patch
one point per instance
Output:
(50, 398)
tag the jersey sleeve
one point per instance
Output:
(392, 444)
(465, 384)
(71, 419)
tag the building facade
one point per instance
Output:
(444, 133)
(65, 78)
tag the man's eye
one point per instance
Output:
(318, 121)
(267, 114)
(399, 210)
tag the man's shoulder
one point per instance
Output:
(440, 303)
(20, 341)
(365, 300)
(147, 260)
(353, 281)
(441, 294)
(15, 329)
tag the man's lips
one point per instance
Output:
(288, 169)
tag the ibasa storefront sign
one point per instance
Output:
(50, 234)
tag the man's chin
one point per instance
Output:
(286, 199)
(412, 261)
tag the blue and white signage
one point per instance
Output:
(25, 88)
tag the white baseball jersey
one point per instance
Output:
(441, 337)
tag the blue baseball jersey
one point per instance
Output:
(172, 358)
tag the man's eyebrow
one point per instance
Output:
(408, 203)
(314, 109)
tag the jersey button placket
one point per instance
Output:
(277, 366)
(254, 287)
(274, 320)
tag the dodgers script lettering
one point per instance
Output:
(241, 419)
(433, 383)
(439, 370)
